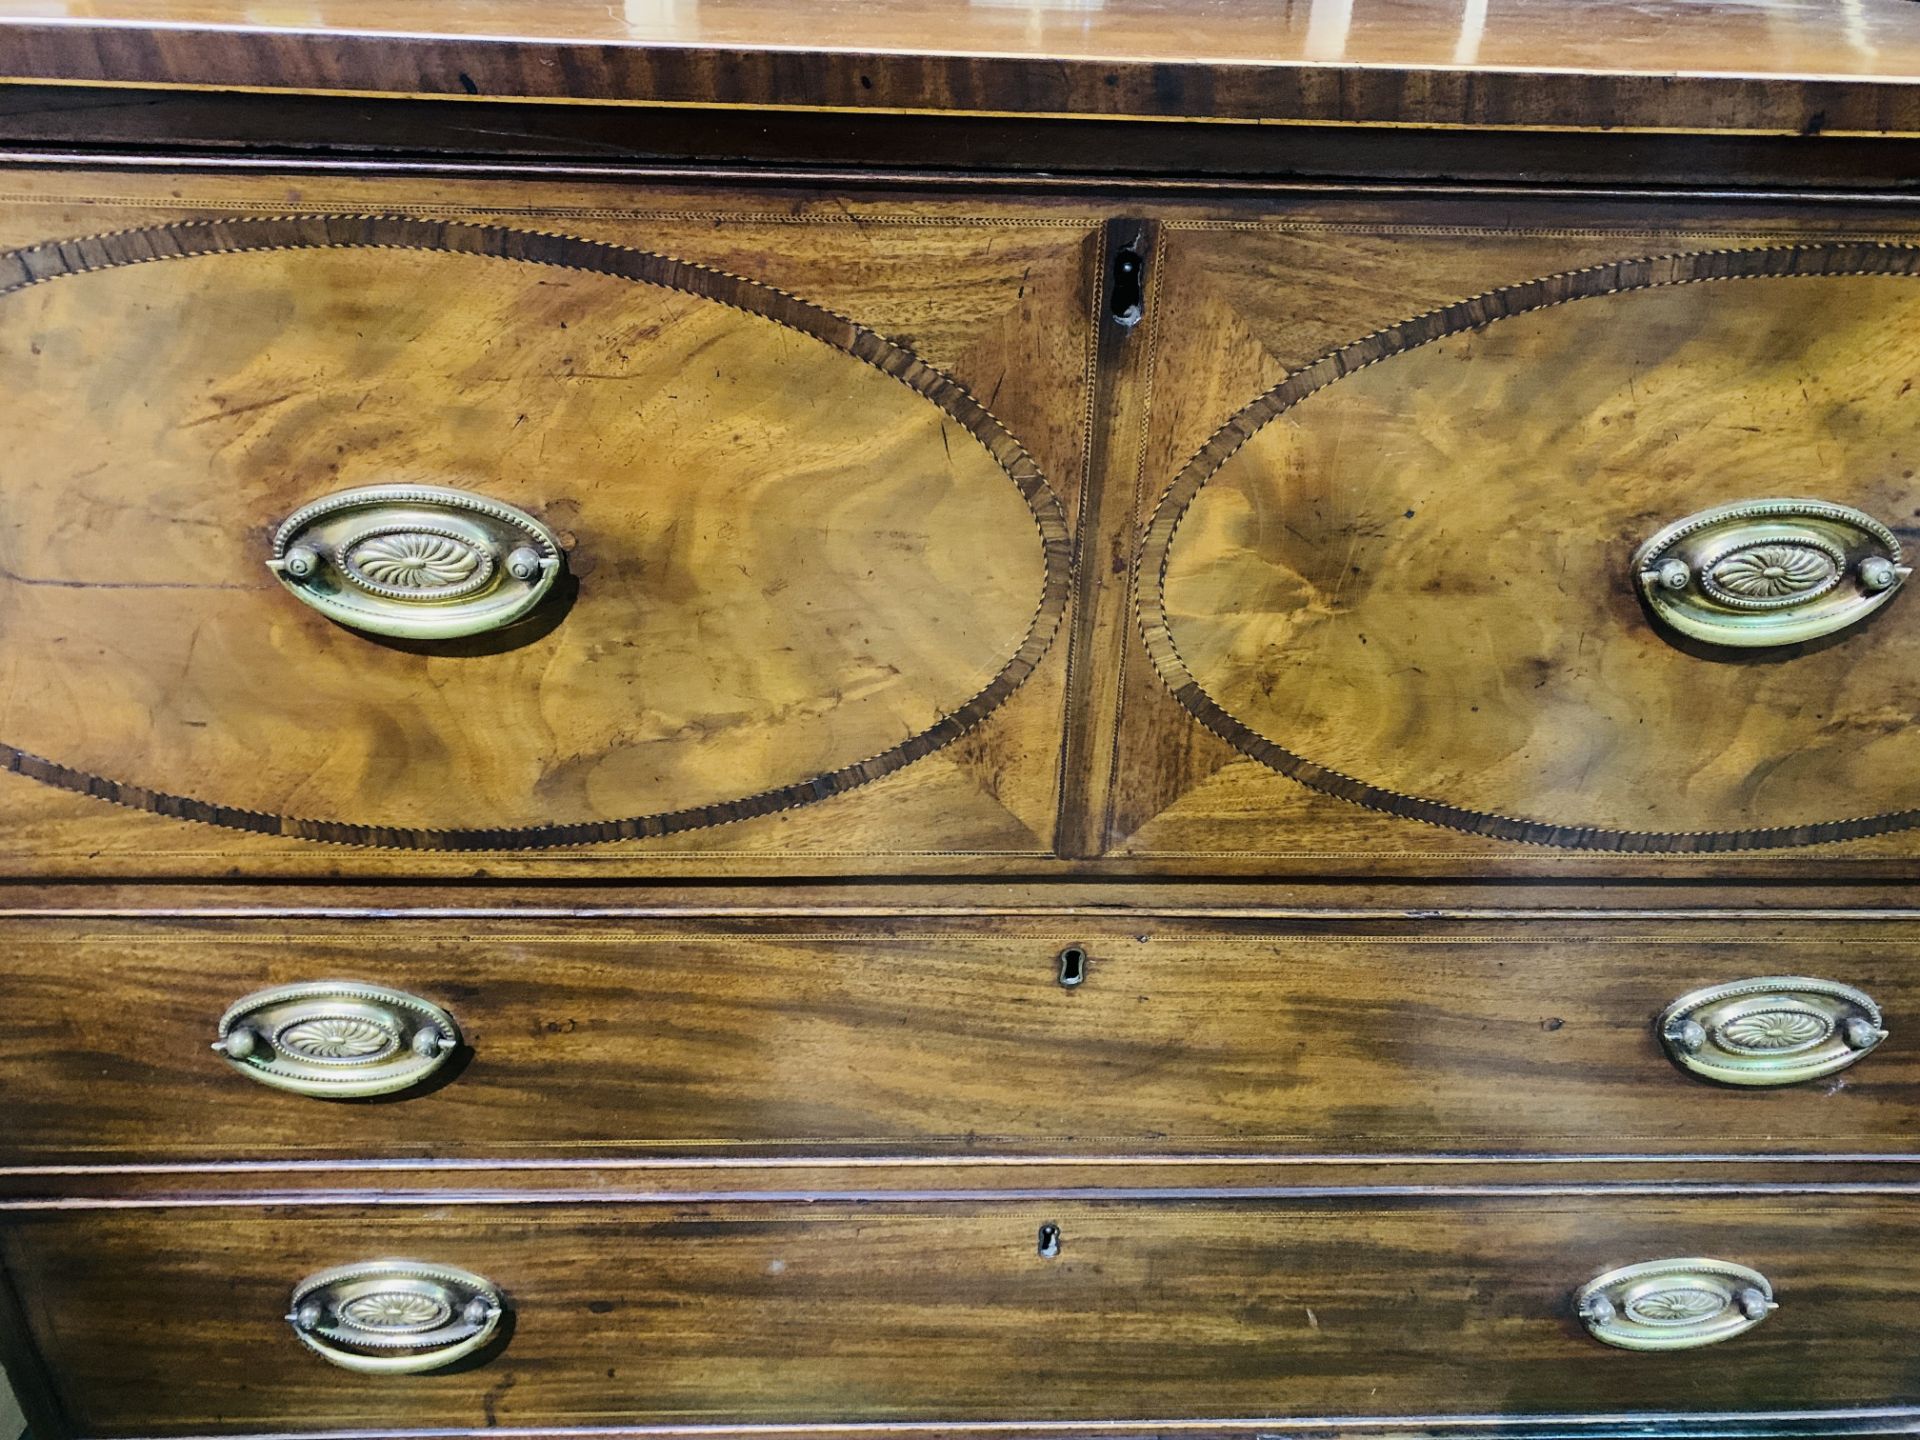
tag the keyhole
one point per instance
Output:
(1073, 966)
(1049, 1241)
(1127, 302)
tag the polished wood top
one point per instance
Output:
(1789, 66)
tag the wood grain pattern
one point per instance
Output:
(944, 1311)
(1051, 899)
(1412, 591)
(893, 1037)
(1261, 296)
(759, 626)
(797, 1180)
(1127, 159)
(835, 464)
(1734, 66)
(1477, 576)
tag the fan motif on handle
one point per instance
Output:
(1775, 572)
(1775, 1030)
(396, 1312)
(417, 562)
(1685, 1305)
(338, 1038)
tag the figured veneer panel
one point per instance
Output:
(169, 1322)
(1449, 626)
(896, 1037)
(802, 559)
(1395, 590)
(786, 568)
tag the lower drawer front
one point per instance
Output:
(937, 1035)
(169, 1322)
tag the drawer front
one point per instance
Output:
(940, 1037)
(1569, 539)
(507, 518)
(172, 1322)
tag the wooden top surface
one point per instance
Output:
(1766, 66)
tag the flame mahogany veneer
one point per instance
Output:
(939, 721)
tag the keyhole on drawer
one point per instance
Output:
(1073, 966)
(1049, 1241)
(1127, 302)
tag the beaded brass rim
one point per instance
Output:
(395, 1317)
(1769, 572)
(417, 561)
(336, 1039)
(1770, 1030)
(1674, 1304)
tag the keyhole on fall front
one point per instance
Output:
(1073, 966)
(1049, 1245)
(1127, 303)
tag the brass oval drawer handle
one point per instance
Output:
(1769, 572)
(336, 1038)
(395, 1317)
(1774, 1030)
(416, 561)
(1674, 1304)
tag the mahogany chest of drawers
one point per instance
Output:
(1090, 719)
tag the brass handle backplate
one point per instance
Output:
(394, 1317)
(336, 1038)
(1769, 572)
(416, 561)
(1673, 1304)
(1773, 1030)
